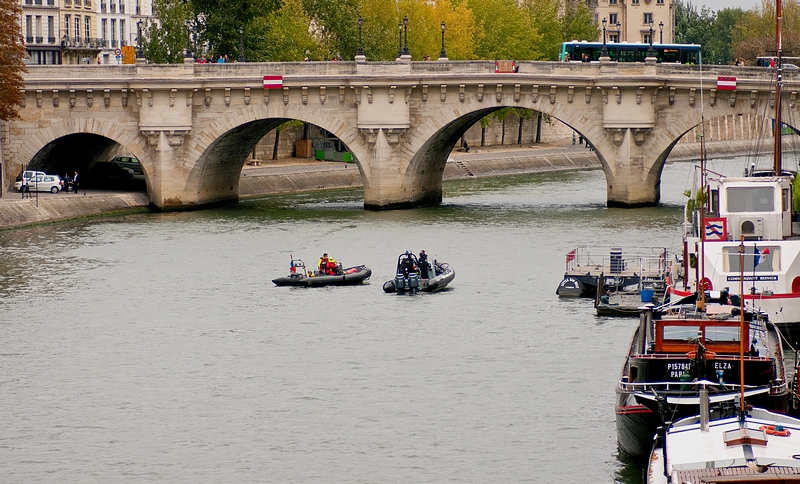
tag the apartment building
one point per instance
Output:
(635, 20)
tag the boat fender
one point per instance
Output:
(775, 430)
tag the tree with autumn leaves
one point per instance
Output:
(12, 59)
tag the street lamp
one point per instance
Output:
(604, 52)
(442, 54)
(661, 32)
(139, 50)
(360, 46)
(400, 39)
(650, 52)
(405, 35)
(241, 44)
(188, 53)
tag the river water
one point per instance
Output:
(154, 348)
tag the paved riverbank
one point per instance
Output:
(293, 176)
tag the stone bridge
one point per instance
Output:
(193, 125)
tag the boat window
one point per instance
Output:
(713, 206)
(681, 333)
(786, 200)
(726, 334)
(750, 199)
(756, 259)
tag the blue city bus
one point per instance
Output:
(628, 52)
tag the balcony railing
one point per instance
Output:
(94, 44)
(67, 3)
(29, 40)
(121, 8)
(39, 40)
(123, 43)
(103, 8)
(51, 40)
(113, 7)
(86, 3)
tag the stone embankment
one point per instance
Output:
(303, 176)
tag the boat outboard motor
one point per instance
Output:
(413, 282)
(399, 282)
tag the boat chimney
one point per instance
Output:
(645, 323)
(704, 408)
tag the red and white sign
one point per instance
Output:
(726, 83)
(273, 82)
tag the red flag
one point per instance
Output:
(571, 255)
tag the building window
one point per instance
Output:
(646, 38)
(29, 29)
(104, 29)
(612, 19)
(634, 2)
(77, 29)
(612, 2)
(66, 26)
(659, 2)
(122, 35)
(51, 29)
(613, 38)
(86, 30)
(113, 32)
(648, 18)
(38, 31)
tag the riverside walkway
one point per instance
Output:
(296, 175)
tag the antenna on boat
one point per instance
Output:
(742, 406)
(777, 168)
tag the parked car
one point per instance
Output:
(42, 183)
(130, 162)
(28, 174)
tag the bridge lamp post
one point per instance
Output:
(241, 44)
(188, 53)
(650, 52)
(604, 52)
(360, 45)
(405, 35)
(442, 54)
(400, 40)
(139, 50)
(619, 32)
(661, 32)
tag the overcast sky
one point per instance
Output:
(717, 5)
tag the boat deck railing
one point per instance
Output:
(647, 262)
(662, 386)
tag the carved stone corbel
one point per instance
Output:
(175, 137)
(72, 98)
(38, 98)
(190, 96)
(285, 95)
(322, 94)
(266, 95)
(570, 94)
(617, 94)
(247, 96)
(772, 99)
(712, 97)
(172, 94)
(124, 98)
(90, 97)
(370, 135)
(304, 94)
(552, 94)
(639, 135)
(654, 95)
(732, 99)
(227, 96)
(639, 93)
(207, 98)
(443, 92)
(341, 94)
(692, 92)
(55, 98)
(424, 93)
(754, 97)
(792, 99)
(357, 94)
(517, 88)
(617, 135)
(480, 93)
(462, 92)
(535, 92)
(152, 137)
(408, 93)
(22, 100)
(672, 95)
(604, 93)
(149, 95)
(392, 89)
(393, 135)
(499, 93)
(588, 94)
(368, 90)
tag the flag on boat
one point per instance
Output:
(273, 82)
(716, 229)
(756, 256)
(726, 83)
(571, 255)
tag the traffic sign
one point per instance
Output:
(117, 52)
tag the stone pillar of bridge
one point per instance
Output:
(626, 144)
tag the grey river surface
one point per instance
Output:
(154, 348)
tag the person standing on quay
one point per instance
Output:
(75, 182)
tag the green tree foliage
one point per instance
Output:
(425, 31)
(755, 31)
(505, 31)
(577, 24)
(722, 42)
(555, 26)
(164, 40)
(12, 59)
(695, 27)
(219, 21)
(283, 35)
(335, 23)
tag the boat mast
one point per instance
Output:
(701, 286)
(776, 163)
(741, 326)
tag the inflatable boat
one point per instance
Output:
(414, 275)
(299, 276)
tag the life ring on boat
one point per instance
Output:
(775, 430)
